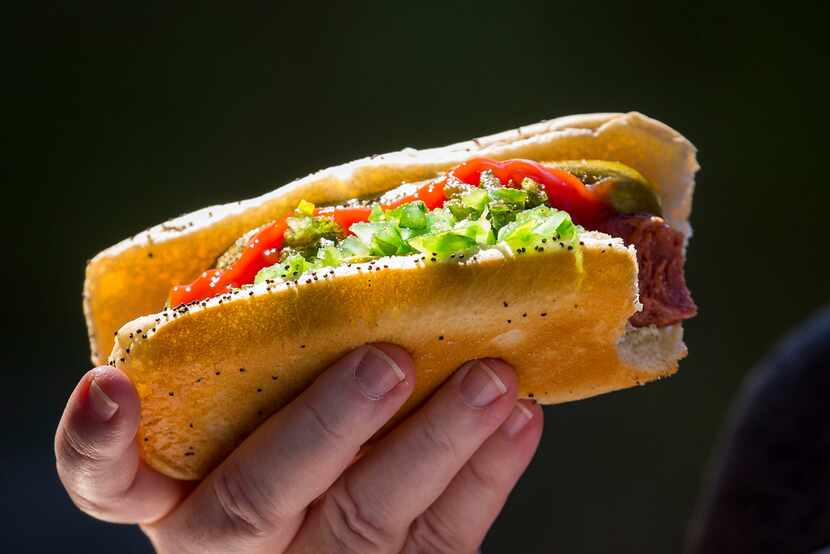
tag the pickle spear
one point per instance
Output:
(625, 189)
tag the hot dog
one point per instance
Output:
(559, 247)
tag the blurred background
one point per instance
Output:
(117, 119)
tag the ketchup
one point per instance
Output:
(564, 192)
(263, 250)
(431, 194)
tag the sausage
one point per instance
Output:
(663, 292)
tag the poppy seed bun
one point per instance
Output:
(209, 373)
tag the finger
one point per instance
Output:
(462, 515)
(259, 494)
(97, 458)
(372, 506)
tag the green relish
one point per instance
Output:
(471, 219)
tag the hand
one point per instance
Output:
(435, 483)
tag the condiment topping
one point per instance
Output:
(564, 191)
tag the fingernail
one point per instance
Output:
(481, 386)
(517, 420)
(377, 373)
(103, 406)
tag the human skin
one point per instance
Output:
(435, 483)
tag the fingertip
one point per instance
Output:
(101, 416)
(532, 405)
(505, 372)
(525, 423)
(100, 403)
(400, 357)
(110, 386)
(535, 409)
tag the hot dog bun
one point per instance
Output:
(209, 373)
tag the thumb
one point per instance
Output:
(97, 458)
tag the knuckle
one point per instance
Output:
(321, 425)
(167, 541)
(435, 437)
(430, 533)
(354, 527)
(245, 508)
(79, 465)
(75, 452)
(485, 481)
(88, 506)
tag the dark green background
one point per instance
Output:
(118, 118)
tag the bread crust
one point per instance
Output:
(208, 374)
